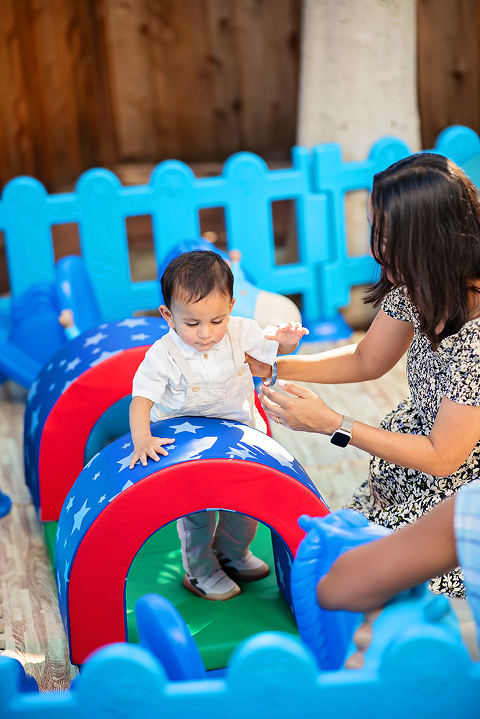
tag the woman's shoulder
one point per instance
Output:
(398, 304)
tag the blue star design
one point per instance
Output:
(127, 444)
(60, 364)
(65, 573)
(96, 476)
(67, 385)
(141, 336)
(52, 386)
(78, 517)
(127, 484)
(131, 322)
(57, 533)
(90, 462)
(59, 585)
(102, 499)
(230, 424)
(185, 427)
(34, 422)
(96, 351)
(71, 365)
(65, 544)
(125, 462)
(33, 390)
(95, 339)
(49, 367)
(280, 571)
(105, 355)
(289, 560)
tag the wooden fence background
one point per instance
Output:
(99, 82)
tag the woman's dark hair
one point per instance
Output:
(426, 236)
(192, 276)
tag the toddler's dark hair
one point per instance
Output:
(192, 276)
(426, 236)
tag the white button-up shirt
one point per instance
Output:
(160, 380)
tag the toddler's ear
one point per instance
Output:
(167, 315)
(231, 305)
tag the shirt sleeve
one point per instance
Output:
(252, 340)
(397, 304)
(467, 539)
(463, 372)
(151, 377)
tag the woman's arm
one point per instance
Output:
(364, 578)
(378, 351)
(454, 434)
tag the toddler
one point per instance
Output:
(199, 369)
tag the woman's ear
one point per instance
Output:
(167, 316)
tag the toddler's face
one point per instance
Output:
(201, 324)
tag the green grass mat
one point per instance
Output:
(217, 627)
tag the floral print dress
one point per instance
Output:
(394, 496)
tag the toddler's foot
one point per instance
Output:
(217, 587)
(247, 569)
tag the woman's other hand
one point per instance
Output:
(302, 411)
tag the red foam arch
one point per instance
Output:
(70, 423)
(100, 567)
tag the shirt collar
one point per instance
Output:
(188, 351)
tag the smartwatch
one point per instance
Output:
(342, 436)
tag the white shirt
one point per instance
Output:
(160, 380)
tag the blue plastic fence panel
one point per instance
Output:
(334, 177)
(317, 182)
(173, 198)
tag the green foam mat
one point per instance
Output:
(217, 627)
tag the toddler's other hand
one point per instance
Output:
(288, 333)
(147, 447)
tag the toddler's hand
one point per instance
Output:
(288, 333)
(149, 446)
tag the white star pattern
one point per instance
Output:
(102, 499)
(185, 427)
(127, 444)
(102, 327)
(78, 517)
(70, 503)
(65, 544)
(131, 322)
(67, 385)
(280, 572)
(59, 585)
(71, 365)
(105, 355)
(96, 476)
(96, 350)
(57, 533)
(230, 424)
(125, 462)
(52, 386)
(34, 422)
(60, 364)
(200, 445)
(49, 367)
(95, 339)
(141, 336)
(243, 453)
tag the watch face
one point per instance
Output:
(340, 439)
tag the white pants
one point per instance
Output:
(200, 534)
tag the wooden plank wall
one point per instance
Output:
(99, 82)
(448, 65)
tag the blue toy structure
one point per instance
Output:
(416, 666)
(317, 181)
(111, 511)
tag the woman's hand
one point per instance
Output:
(304, 411)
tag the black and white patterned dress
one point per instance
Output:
(394, 496)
